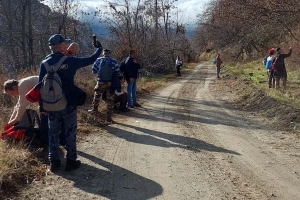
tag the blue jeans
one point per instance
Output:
(131, 90)
(43, 133)
(67, 116)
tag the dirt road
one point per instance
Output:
(185, 143)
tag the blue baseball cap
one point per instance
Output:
(56, 40)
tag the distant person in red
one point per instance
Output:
(270, 72)
(218, 64)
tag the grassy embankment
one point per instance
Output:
(248, 81)
(22, 164)
(255, 73)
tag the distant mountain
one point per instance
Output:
(100, 30)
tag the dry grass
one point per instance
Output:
(19, 166)
(258, 79)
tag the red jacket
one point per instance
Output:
(219, 62)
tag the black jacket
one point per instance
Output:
(279, 59)
(131, 69)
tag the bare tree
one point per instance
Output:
(247, 27)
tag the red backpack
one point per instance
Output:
(12, 132)
(24, 128)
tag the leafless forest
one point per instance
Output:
(247, 29)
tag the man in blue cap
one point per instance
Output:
(73, 95)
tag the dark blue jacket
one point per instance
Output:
(131, 69)
(67, 72)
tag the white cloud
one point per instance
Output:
(190, 9)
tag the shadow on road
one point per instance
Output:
(156, 138)
(112, 182)
(177, 114)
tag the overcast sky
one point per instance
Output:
(188, 10)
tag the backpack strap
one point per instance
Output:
(57, 66)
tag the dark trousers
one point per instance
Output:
(271, 79)
(122, 99)
(280, 75)
(178, 70)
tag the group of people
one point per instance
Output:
(113, 89)
(275, 66)
(59, 117)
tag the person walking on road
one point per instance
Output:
(218, 64)
(178, 64)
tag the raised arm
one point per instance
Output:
(83, 62)
(288, 54)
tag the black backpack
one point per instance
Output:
(30, 122)
(122, 66)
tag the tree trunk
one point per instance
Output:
(23, 36)
(30, 35)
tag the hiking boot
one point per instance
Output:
(108, 118)
(72, 165)
(54, 165)
(137, 105)
(116, 108)
(124, 109)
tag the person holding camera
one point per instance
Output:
(74, 96)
